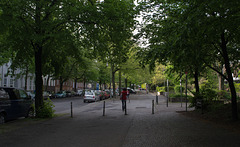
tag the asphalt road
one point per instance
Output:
(63, 105)
(140, 128)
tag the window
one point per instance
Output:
(3, 94)
(16, 83)
(23, 94)
(5, 80)
(11, 82)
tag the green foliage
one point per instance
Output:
(46, 111)
(178, 95)
(237, 86)
(208, 94)
(177, 89)
(161, 89)
(222, 94)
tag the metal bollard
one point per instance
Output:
(71, 111)
(152, 106)
(157, 99)
(126, 107)
(104, 108)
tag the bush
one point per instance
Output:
(173, 95)
(222, 94)
(177, 89)
(46, 111)
(208, 94)
(161, 89)
(237, 86)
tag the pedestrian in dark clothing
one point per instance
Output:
(123, 97)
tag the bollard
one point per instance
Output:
(157, 99)
(125, 107)
(71, 111)
(152, 106)
(167, 101)
(104, 108)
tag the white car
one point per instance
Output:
(89, 97)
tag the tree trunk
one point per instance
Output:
(26, 79)
(125, 82)
(221, 80)
(75, 84)
(61, 83)
(113, 80)
(46, 88)
(38, 61)
(100, 85)
(230, 78)
(84, 83)
(39, 81)
(120, 83)
(196, 82)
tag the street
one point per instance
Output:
(139, 128)
(63, 105)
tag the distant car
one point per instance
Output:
(14, 103)
(89, 97)
(131, 91)
(46, 94)
(80, 92)
(60, 94)
(107, 94)
(69, 94)
(98, 95)
(73, 93)
(32, 95)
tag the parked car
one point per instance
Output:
(102, 95)
(89, 97)
(32, 95)
(131, 91)
(69, 94)
(73, 93)
(60, 94)
(14, 103)
(98, 95)
(80, 92)
(46, 95)
(107, 94)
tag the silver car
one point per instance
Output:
(89, 97)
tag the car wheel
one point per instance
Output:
(2, 118)
(84, 101)
(30, 113)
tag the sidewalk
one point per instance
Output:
(140, 128)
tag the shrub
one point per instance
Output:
(46, 111)
(208, 94)
(161, 89)
(177, 89)
(173, 95)
(237, 86)
(222, 94)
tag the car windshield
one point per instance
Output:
(88, 93)
(97, 93)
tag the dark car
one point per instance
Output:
(131, 91)
(14, 103)
(69, 94)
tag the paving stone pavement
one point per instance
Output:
(139, 128)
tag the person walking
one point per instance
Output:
(128, 93)
(123, 97)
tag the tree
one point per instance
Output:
(39, 27)
(199, 32)
(112, 40)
